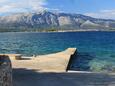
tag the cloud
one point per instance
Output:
(12, 6)
(107, 14)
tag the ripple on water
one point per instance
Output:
(96, 49)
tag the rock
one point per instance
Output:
(5, 71)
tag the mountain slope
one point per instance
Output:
(47, 20)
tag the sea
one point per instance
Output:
(95, 50)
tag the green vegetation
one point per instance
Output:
(51, 29)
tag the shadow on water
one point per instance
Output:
(80, 61)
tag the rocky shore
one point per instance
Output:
(5, 71)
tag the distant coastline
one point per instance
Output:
(51, 31)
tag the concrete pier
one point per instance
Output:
(56, 62)
(51, 70)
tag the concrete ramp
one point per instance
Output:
(56, 62)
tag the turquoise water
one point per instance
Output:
(96, 50)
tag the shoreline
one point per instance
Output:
(61, 31)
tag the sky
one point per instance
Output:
(94, 8)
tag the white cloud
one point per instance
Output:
(107, 14)
(11, 6)
(2, 1)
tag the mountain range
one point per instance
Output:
(53, 21)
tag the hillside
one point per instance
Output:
(53, 21)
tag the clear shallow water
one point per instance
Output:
(96, 50)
